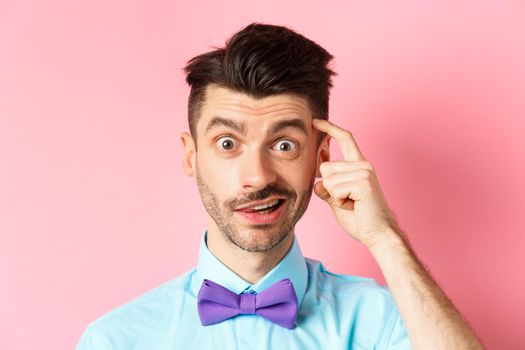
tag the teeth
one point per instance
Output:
(264, 206)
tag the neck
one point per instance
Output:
(250, 266)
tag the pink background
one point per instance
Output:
(95, 208)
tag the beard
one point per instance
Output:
(256, 238)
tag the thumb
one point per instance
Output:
(322, 193)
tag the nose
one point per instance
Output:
(256, 171)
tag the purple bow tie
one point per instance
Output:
(277, 303)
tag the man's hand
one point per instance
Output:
(352, 190)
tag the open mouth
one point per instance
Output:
(265, 209)
(264, 214)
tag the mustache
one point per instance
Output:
(267, 192)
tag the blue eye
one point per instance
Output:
(284, 145)
(226, 144)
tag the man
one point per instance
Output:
(258, 112)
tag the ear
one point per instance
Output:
(323, 153)
(188, 162)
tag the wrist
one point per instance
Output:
(385, 239)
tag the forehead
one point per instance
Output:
(225, 103)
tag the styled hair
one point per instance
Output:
(263, 60)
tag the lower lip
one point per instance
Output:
(263, 218)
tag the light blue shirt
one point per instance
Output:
(335, 312)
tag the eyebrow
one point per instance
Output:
(240, 128)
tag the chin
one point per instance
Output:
(259, 240)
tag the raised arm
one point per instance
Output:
(431, 319)
(352, 190)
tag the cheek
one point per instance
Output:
(299, 175)
(310, 161)
(217, 176)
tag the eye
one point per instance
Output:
(286, 145)
(226, 143)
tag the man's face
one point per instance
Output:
(242, 158)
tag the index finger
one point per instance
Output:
(344, 138)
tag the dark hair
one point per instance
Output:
(263, 60)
